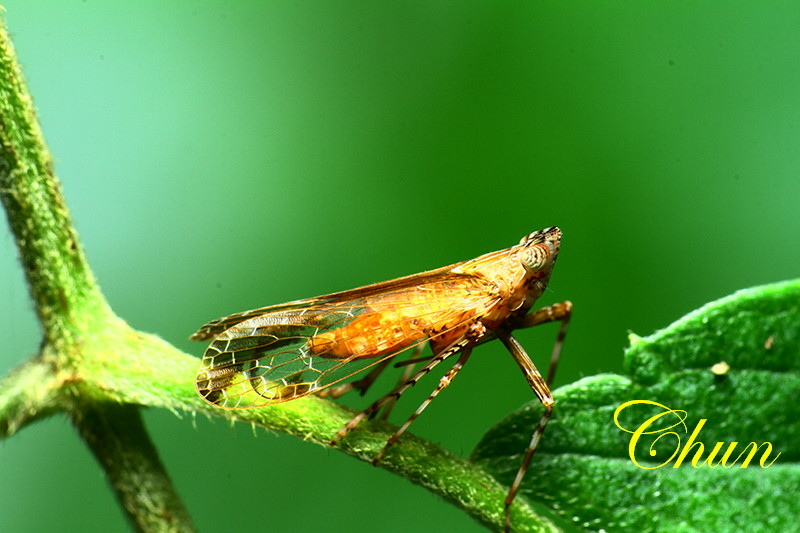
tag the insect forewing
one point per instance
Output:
(279, 353)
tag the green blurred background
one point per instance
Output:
(219, 157)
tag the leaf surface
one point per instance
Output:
(583, 470)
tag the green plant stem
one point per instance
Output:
(71, 308)
(109, 381)
(117, 437)
(29, 393)
(58, 275)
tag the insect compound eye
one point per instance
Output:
(535, 257)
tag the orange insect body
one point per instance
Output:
(418, 313)
(391, 324)
(286, 351)
(279, 353)
(373, 334)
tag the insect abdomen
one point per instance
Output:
(371, 335)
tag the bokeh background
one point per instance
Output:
(218, 157)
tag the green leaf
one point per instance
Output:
(583, 471)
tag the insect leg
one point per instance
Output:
(542, 392)
(408, 370)
(552, 313)
(370, 411)
(443, 382)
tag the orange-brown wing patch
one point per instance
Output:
(279, 353)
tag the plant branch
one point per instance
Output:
(58, 275)
(74, 315)
(27, 394)
(118, 369)
(119, 441)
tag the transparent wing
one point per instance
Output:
(283, 352)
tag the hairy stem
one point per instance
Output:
(75, 318)
(117, 437)
(29, 393)
(58, 275)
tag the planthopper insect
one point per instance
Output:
(279, 353)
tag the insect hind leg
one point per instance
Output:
(408, 371)
(393, 396)
(443, 382)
